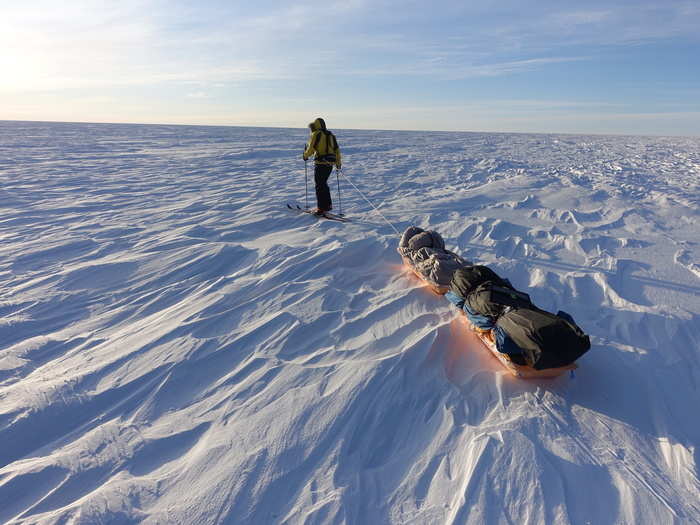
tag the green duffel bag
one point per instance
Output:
(491, 299)
(467, 279)
(547, 340)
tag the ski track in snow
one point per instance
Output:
(178, 347)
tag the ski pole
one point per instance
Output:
(340, 203)
(306, 184)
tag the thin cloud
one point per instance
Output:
(250, 56)
(137, 43)
(516, 66)
(440, 67)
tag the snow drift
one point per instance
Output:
(176, 346)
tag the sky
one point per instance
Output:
(552, 66)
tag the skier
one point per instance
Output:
(323, 143)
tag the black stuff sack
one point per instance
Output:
(547, 340)
(467, 279)
(491, 300)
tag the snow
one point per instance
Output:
(176, 346)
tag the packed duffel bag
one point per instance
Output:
(410, 232)
(491, 299)
(437, 266)
(426, 239)
(467, 279)
(445, 265)
(414, 239)
(547, 340)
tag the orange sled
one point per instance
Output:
(486, 338)
(525, 372)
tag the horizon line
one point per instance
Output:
(573, 133)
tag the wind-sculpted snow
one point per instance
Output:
(176, 346)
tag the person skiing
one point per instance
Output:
(324, 144)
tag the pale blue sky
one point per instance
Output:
(541, 66)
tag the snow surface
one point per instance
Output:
(178, 347)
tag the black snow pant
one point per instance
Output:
(323, 192)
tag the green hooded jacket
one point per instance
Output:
(322, 143)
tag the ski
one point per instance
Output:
(325, 215)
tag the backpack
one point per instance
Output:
(547, 340)
(331, 146)
(492, 300)
(467, 279)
